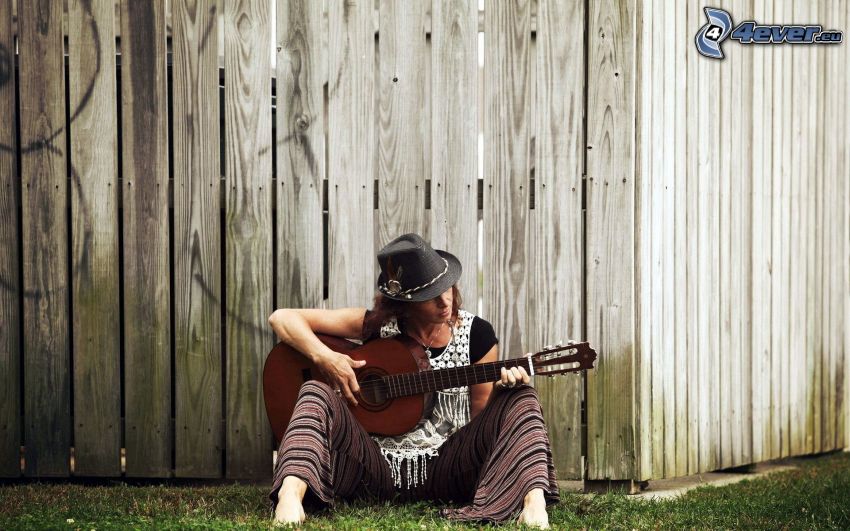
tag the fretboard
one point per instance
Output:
(436, 380)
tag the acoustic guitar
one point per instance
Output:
(397, 379)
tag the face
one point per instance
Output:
(436, 310)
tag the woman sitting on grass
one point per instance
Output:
(484, 446)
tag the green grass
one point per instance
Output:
(817, 495)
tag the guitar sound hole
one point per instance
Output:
(373, 392)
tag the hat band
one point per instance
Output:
(395, 290)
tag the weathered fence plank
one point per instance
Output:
(197, 240)
(610, 239)
(351, 144)
(681, 44)
(644, 443)
(506, 171)
(454, 133)
(762, 230)
(147, 293)
(694, 307)
(10, 275)
(94, 239)
(555, 224)
(248, 274)
(401, 90)
(44, 207)
(300, 150)
(811, 71)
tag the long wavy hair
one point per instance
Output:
(384, 308)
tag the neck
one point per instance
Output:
(423, 329)
(414, 383)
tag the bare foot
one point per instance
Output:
(534, 510)
(289, 509)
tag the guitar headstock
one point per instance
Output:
(560, 359)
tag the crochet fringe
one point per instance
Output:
(414, 460)
(454, 406)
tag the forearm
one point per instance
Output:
(292, 328)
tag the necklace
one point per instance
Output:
(431, 341)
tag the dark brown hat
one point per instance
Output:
(411, 270)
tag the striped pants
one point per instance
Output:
(488, 465)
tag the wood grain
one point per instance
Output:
(248, 275)
(351, 163)
(44, 204)
(610, 238)
(401, 88)
(94, 239)
(506, 171)
(454, 133)
(555, 223)
(147, 293)
(300, 152)
(197, 240)
(10, 275)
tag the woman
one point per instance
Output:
(484, 446)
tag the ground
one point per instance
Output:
(816, 495)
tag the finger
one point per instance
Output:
(523, 375)
(353, 383)
(505, 380)
(515, 371)
(355, 363)
(348, 395)
(511, 378)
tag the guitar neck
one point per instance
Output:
(430, 381)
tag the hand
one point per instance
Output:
(338, 370)
(514, 376)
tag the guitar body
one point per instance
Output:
(286, 370)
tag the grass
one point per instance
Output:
(816, 495)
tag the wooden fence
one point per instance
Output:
(234, 157)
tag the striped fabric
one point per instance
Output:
(487, 466)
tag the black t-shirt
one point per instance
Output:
(482, 337)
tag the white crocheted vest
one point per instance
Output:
(450, 411)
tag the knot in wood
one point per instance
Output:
(302, 122)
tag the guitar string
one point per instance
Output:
(412, 383)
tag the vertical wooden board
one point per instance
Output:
(147, 320)
(94, 239)
(743, 198)
(351, 64)
(812, 260)
(682, 382)
(10, 282)
(844, 279)
(834, 146)
(300, 152)
(555, 250)
(507, 38)
(198, 443)
(694, 18)
(826, 162)
(454, 137)
(656, 206)
(819, 243)
(610, 239)
(779, 323)
(645, 448)
(668, 182)
(44, 204)
(761, 212)
(707, 208)
(248, 236)
(796, 243)
(401, 87)
(728, 77)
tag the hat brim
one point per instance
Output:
(435, 289)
